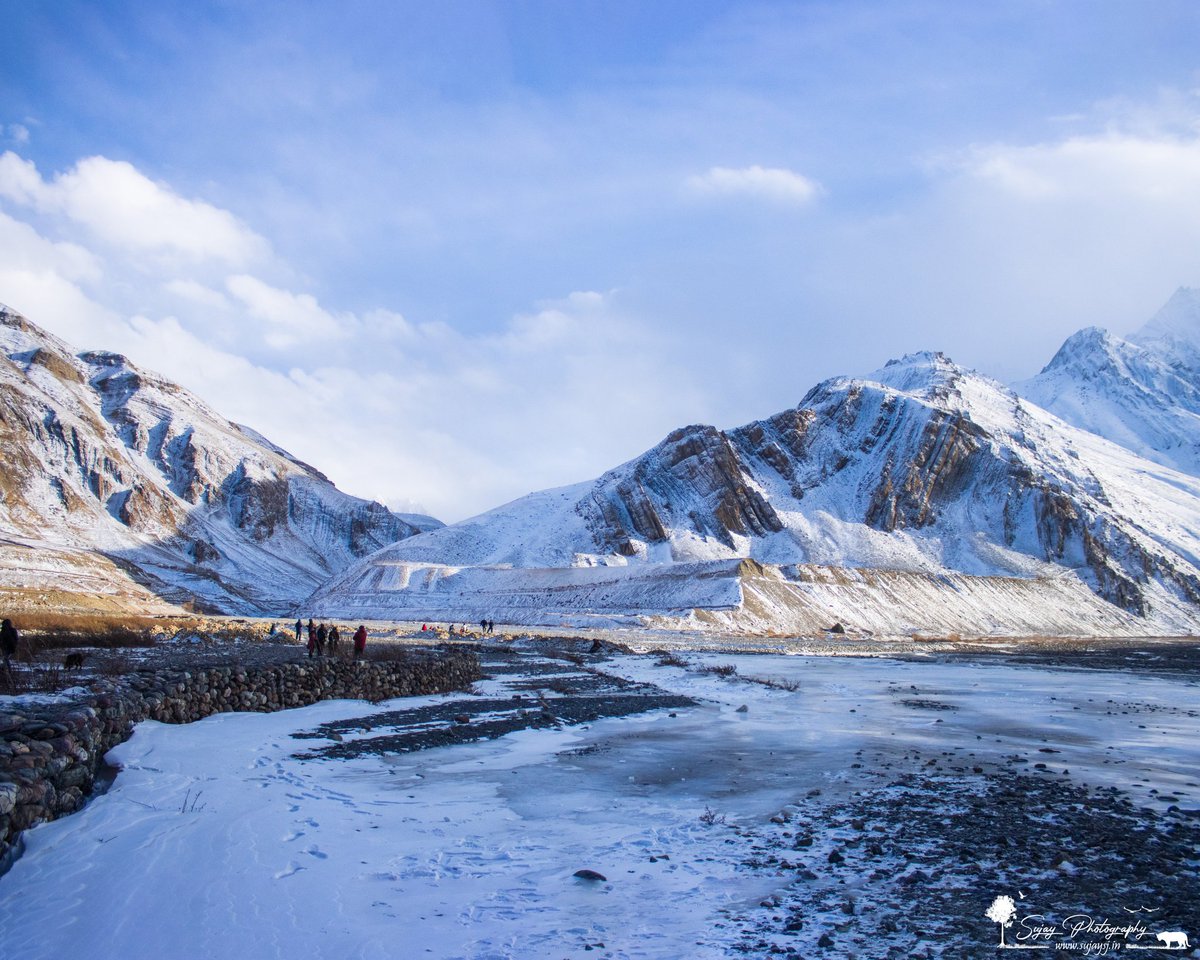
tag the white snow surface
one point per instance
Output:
(215, 841)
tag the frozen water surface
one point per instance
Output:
(471, 850)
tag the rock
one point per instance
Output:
(591, 875)
(466, 717)
(835, 857)
(742, 709)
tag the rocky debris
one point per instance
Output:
(591, 875)
(918, 860)
(51, 754)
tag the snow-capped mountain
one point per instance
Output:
(119, 482)
(1142, 392)
(922, 467)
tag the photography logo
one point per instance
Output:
(1081, 933)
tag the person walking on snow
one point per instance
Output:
(333, 640)
(299, 627)
(312, 638)
(321, 634)
(8, 642)
(360, 641)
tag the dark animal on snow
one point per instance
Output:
(73, 661)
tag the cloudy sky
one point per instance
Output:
(454, 252)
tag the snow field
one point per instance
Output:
(216, 841)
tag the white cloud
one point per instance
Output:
(18, 133)
(773, 184)
(123, 207)
(198, 293)
(291, 318)
(20, 180)
(1102, 169)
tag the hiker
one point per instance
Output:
(8, 642)
(483, 626)
(312, 638)
(422, 628)
(333, 640)
(299, 627)
(491, 626)
(360, 641)
(321, 634)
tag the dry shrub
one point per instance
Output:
(775, 683)
(391, 652)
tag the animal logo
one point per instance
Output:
(1173, 939)
(73, 661)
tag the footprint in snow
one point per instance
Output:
(294, 835)
(315, 851)
(291, 870)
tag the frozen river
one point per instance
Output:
(217, 840)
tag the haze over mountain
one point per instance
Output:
(122, 485)
(922, 469)
(1141, 391)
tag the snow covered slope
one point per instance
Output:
(922, 467)
(134, 484)
(1142, 392)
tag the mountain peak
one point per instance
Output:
(920, 374)
(1176, 326)
(1082, 347)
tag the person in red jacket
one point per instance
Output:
(360, 641)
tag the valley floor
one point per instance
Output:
(792, 805)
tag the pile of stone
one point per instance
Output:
(52, 753)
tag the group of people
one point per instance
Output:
(321, 637)
(485, 626)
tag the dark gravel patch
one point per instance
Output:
(910, 869)
(1176, 658)
(546, 693)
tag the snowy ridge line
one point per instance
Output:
(56, 750)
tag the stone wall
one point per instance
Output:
(51, 754)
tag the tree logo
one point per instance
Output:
(1002, 911)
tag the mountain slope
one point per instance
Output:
(1142, 392)
(121, 471)
(922, 467)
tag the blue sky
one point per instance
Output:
(454, 252)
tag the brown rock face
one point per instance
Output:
(694, 479)
(909, 492)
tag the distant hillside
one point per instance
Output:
(120, 484)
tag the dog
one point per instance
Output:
(73, 661)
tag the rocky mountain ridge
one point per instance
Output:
(133, 481)
(921, 467)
